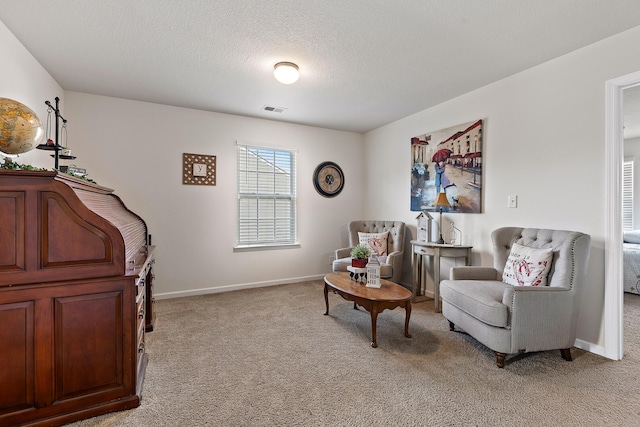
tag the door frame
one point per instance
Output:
(614, 155)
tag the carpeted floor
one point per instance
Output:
(268, 357)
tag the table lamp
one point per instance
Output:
(441, 202)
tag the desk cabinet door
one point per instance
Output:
(88, 352)
(17, 367)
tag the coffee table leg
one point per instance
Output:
(326, 298)
(374, 319)
(406, 319)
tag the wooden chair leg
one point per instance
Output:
(500, 359)
(566, 354)
(451, 326)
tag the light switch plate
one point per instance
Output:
(513, 201)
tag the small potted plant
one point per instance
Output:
(359, 256)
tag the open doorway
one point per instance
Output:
(614, 156)
(631, 210)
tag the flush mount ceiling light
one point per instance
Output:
(286, 72)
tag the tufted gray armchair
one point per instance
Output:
(391, 266)
(516, 319)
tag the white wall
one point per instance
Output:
(136, 148)
(632, 152)
(23, 79)
(543, 141)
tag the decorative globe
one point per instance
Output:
(20, 128)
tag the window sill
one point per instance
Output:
(266, 247)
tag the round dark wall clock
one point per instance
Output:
(328, 179)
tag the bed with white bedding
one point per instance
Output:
(631, 267)
(631, 261)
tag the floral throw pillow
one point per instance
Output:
(527, 266)
(377, 242)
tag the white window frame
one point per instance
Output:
(267, 201)
(627, 195)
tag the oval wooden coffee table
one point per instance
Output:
(375, 300)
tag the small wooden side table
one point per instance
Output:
(419, 250)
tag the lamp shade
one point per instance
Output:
(286, 72)
(442, 201)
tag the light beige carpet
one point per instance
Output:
(269, 357)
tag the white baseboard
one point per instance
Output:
(591, 348)
(236, 287)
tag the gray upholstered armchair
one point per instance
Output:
(514, 319)
(391, 264)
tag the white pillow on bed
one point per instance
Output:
(632, 236)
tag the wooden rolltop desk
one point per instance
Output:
(76, 298)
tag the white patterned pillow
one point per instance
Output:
(527, 266)
(377, 242)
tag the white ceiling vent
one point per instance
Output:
(273, 109)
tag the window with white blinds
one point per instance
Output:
(266, 196)
(627, 195)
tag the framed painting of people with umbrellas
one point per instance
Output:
(448, 161)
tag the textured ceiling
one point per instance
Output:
(363, 63)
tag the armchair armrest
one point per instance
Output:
(541, 317)
(393, 255)
(473, 273)
(394, 259)
(540, 298)
(343, 252)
